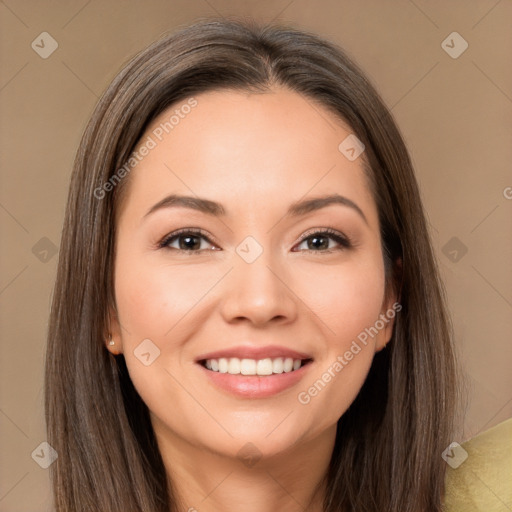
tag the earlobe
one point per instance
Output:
(113, 336)
(381, 345)
(388, 318)
(391, 307)
(112, 346)
(385, 335)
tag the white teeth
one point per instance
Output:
(223, 365)
(267, 366)
(248, 367)
(277, 365)
(288, 365)
(234, 366)
(264, 366)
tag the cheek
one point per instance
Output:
(162, 304)
(155, 303)
(153, 299)
(348, 302)
(346, 298)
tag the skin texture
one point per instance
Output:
(255, 154)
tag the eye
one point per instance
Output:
(319, 241)
(190, 240)
(187, 240)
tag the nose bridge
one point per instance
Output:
(257, 289)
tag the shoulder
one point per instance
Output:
(483, 480)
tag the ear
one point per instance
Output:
(113, 340)
(390, 307)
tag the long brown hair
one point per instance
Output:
(387, 455)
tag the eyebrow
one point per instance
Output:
(217, 210)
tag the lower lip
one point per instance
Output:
(255, 386)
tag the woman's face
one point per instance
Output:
(241, 277)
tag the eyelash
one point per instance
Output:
(342, 240)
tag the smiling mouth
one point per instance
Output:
(257, 367)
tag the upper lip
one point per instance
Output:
(252, 352)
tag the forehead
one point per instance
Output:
(247, 147)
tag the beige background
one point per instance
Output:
(455, 115)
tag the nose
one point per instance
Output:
(258, 293)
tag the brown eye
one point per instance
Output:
(187, 241)
(320, 241)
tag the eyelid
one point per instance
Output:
(338, 236)
(193, 231)
(330, 231)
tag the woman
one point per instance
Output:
(247, 311)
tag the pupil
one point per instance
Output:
(186, 245)
(322, 245)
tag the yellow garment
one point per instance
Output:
(483, 482)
